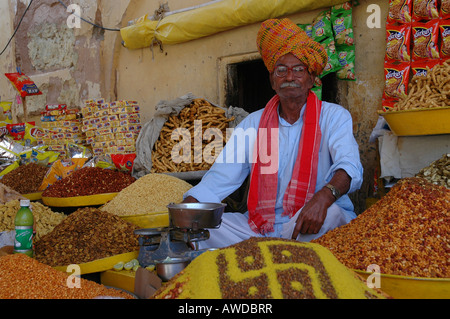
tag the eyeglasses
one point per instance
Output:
(298, 71)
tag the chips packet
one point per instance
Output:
(396, 77)
(5, 112)
(321, 26)
(421, 68)
(307, 28)
(346, 56)
(425, 10)
(444, 12)
(23, 84)
(444, 29)
(425, 36)
(333, 63)
(398, 40)
(400, 11)
(342, 23)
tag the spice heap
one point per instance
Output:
(44, 217)
(87, 234)
(405, 233)
(438, 172)
(266, 268)
(25, 179)
(22, 277)
(150, 193)
(89, 181)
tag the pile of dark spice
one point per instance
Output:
(89, 181)
(25, 179)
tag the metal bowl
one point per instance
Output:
(169, 267)
(196, 215)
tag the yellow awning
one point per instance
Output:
(213, 18)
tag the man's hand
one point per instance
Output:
(190, 199)
(313, 214)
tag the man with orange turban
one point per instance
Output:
(299, 152)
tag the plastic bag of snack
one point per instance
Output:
(398, 40)
(32, 134)
(5, 112)
(342, 23)
(425, 37)
(400, 11)
(17, 130)
(23, 84)
(61, 169)
(307, 28)
(388, 104)
(396, 77)
(425, 10)
(421, 68)
(346, 56)
(333, 63)
(123, 162)
(444, 29)
(321, 26)
(444, 12)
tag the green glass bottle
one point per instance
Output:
(24, 223)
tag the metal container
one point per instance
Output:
(196, 215)
(169, 267)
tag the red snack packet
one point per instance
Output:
(445, 9)
(388, 104)
(17, 130)
(400, 11)
(123, 162)
(425, 37)
(425, 10)
(444, 30)
(396, 77)
(398, 40)
(421, 68)
(23, 84)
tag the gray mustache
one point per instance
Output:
(289, 84)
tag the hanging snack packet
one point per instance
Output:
(17, 130)
(400, 11)
(321, 26)
(425, 37)
(398, 40)
(346, 56)
(396, 80)
(333, 63)
(5, 112)
(425, 10)
(23, 84)
(341, 20)
(444, 28)
(307, 28)
(421, 68)
(445, 9)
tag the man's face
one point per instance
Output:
(291, 85)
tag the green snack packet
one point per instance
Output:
(346, 56)
(321, 26)
(307, 28)
(318, 91)
(342, 23)
(333, 63)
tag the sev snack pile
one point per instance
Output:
(22, 277)
(266, 268)
(432, 90)
(45, 218)
(405, 233)
(148, 194)
(87, 234)
(208, 117)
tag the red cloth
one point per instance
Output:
(263, 181)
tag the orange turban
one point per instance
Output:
(278, 37)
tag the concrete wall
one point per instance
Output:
(71, 65)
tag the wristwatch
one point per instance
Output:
(336, 193)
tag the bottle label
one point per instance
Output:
(24, 238)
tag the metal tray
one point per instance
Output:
(196, 215)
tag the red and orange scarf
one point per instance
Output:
(263, 186)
